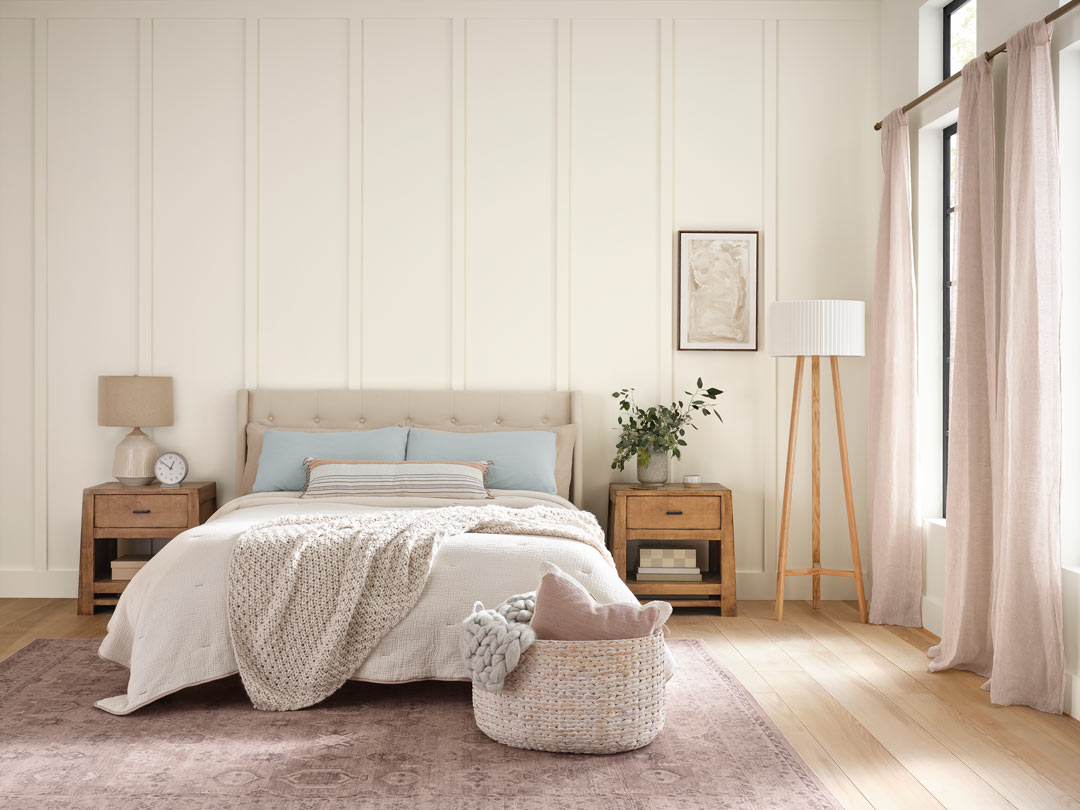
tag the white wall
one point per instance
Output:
(472, 194)
(911, 64)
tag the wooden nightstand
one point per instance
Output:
(114, 511)
(674, 512)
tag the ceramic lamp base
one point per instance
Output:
(133, 464)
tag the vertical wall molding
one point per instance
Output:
(562, 203)
(251, 202)
(458, 201)
(665, 91)
(354, 282)
(41, 296)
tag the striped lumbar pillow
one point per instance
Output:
(329, 478)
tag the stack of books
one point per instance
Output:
(668, 565)
(126, 567)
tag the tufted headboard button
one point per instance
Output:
(498, 420)
(362, 420)
(269, 417)
(453, 420)
(544, 420)
(316, 420)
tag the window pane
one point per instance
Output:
(952, 251)
(962, 35)
(953, 167)
(952, 339)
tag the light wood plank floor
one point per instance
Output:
(855, 700)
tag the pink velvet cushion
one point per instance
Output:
(565, 611)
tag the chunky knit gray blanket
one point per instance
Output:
(492, 641)
(310, 596)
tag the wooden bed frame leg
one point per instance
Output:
(853, 531)
(785, 515)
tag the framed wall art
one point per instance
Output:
(718, 278)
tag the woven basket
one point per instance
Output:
(584, 697)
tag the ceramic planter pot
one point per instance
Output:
(656, 471)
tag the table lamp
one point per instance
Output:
(817, 329)
(135, 402)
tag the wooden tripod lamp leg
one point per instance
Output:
(853, 532)
(785, 514)
(815, 517)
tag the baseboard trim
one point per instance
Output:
(1072, 694)
(932, 615)
(56, 584)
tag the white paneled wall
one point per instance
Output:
(408, 214)
(614, 227)
(303, 202)
(198, 237)
(510, 165)
(17, 279)
(470, 193)
(92, 274)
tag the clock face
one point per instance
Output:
(170, 469)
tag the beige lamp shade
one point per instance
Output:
(135, 401)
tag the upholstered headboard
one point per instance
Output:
(301, 408)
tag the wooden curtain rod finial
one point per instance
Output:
(1049, 18)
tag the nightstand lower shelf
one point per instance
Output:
(686, 588)
(110, 585)
(706, 593)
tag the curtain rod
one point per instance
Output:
(1049, 18)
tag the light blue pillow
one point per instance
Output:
(520, 459)
(281, 462)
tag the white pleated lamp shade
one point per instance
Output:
(823, 327)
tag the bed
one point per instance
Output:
(171, 627)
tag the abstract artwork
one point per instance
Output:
(718, 289)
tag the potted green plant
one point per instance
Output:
(656, 433)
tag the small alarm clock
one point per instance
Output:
(170, 469)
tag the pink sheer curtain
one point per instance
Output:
(1029, 656)
(895, 535)
(1003, 614)
(969, 560)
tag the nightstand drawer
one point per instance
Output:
(151, 511)
(673, 512)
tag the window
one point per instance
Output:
(948, 291)
(958, 48)
(958, 42)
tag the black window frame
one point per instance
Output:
(946, 35)
(948, 211)
(947, 214)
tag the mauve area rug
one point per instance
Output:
(402, 747)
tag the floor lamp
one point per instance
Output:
(817, 329)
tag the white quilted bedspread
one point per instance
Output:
(171, 627)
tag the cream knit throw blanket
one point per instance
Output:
(310, 596)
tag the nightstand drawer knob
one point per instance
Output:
(147, 512)
(676, 512)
